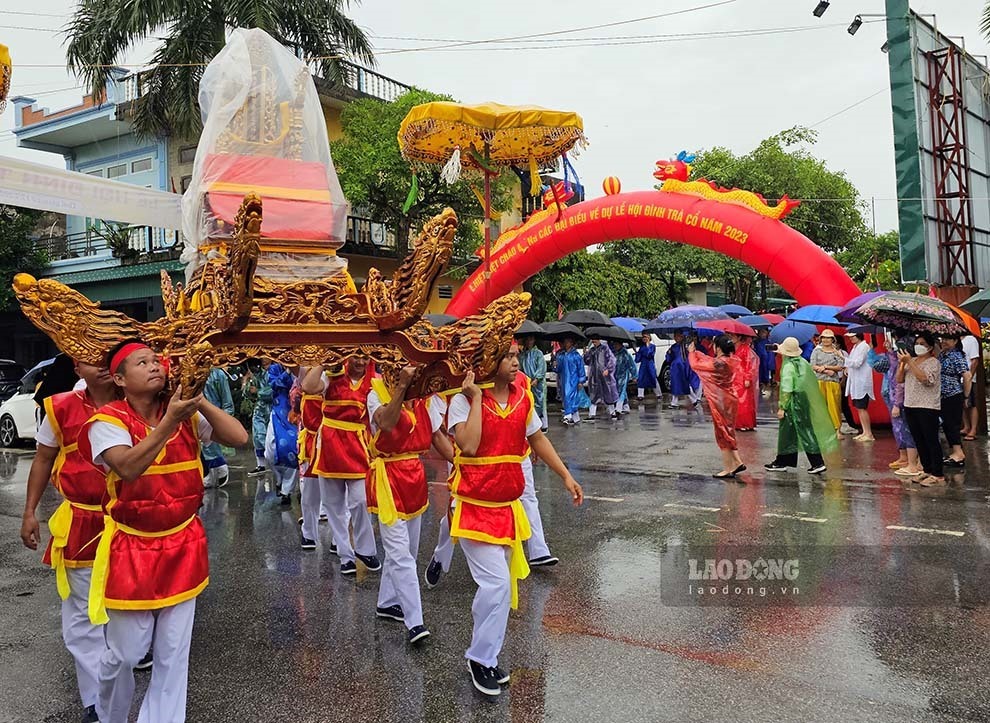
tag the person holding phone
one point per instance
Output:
(921, 375)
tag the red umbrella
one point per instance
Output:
(728, 326)
(773, 318)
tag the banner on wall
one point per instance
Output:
(32, 185)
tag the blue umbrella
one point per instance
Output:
(816, 314)
(629, 323)
(798, 329)
(756, 321)
(735, 310)
(682, 317)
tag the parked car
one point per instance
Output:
(19, 415)
(10, 378)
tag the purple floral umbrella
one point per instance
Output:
(911, 312)
(847, 313)
(683, 317)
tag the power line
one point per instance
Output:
(849, 107)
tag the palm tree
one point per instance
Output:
(194, 31)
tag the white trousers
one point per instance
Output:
(83, 640)
(285, 478)
(310, 500)
(490, 610)
(400, 578)
(343, 498)
(593, 410)
(574, 416)
(536, 545)
(641, 391)
(130, 633)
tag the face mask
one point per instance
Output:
(920, 350)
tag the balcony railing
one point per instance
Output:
(357, 78)
(142, 241)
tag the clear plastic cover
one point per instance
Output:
(264, 131)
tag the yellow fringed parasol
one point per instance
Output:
(486, 138)
(5, 72)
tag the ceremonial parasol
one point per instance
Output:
(756, 321)
(557, 330)
(587, 317)
(800, 330)
(529, 328)
(817, 314)
(912, 312)
(847, 313)
(683, 317)
(485, 139)
(610, 333)
(735, 310)
(726, 326)
(629, 323)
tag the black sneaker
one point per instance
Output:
(145, 662)
(256, 471)
(484, 679)
(370, 561)
(300, 521)
(306, 543)
(957, 463)
(774, 467)
(613, 416)
(89, 715)
(332, 549)
(545, 561)
(501, 676)
(816, 470)
(432, 575)
(285, 500)
(348, 568)
(223, 481)
(392, 612)
(323, 518)
(418, 633)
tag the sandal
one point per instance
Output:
(905, 472)
(970, 438)
(897, 464)
(932, 481)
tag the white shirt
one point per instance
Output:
(434, 405)
(971, 347)
(460, 408)
(860, 382)
(46, 435)
(104, 435)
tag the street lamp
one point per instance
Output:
(820, 8)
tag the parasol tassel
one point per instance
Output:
(534, 177)
(451, 172)
(413, 195)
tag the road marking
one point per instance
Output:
(605, 499)
(697, 508)
(929, 530)
(795, 517)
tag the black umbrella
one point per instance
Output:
(610, 333)
(529, 328)
(557, 330)
(587, 317)
(440, 319)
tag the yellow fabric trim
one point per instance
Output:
(293, 194)
(172, 468)
(388, 513)
(404, 516)
(501, 459)
(381, 390)
(344, 403)
(52, 419)
(101, 568)
(345, 426)
(59, 525)
(156, 604)
(518, 565)
(99, 417)
(78, 564)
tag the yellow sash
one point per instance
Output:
(518, 566)
(59, 524)
(101, 566)
(345, 426)
(388, 513)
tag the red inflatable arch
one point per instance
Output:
(748, 233)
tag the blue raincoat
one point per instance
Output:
(768, 360)
(645, 357)
(262, 412)
(682, 378)
(217, 393)
(570, 373)
(285, 431)
(625, 370)
(534, 366)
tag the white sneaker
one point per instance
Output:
(846, 429)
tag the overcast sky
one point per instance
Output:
(642, 99)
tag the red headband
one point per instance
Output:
(124, 352)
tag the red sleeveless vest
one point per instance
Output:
(154, 542)
(81, 484)
(342, 450)
(311, 419)
(396, 455)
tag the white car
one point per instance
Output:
(19, 415)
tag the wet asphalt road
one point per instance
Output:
(890, 622)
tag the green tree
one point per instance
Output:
(873, 262)
(376, 178)
(584, 280)
(190, 34)
(17, 251)
(831, 214)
